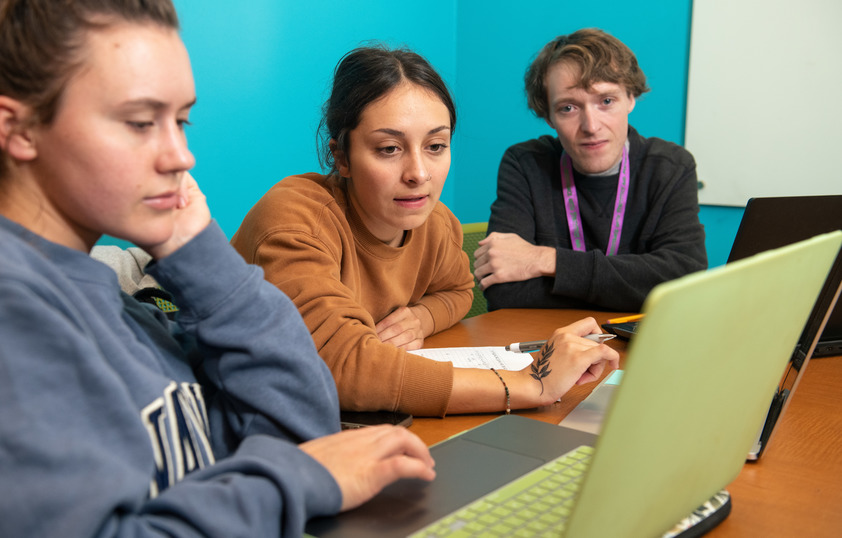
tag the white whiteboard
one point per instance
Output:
(764, 98)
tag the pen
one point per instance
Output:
(530, 347)
(625, 319)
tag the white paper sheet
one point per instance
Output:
(478, 357)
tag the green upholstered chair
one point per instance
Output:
(472, 233)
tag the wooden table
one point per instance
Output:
(794, 490)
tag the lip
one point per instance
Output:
(594, 146)
(412, 202)
(162, 202)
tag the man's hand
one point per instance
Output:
(506, 257)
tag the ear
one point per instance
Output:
(340, 159)
(15, 135)
(633, 102)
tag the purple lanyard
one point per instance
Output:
(571, 204)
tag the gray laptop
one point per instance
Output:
(671, 439)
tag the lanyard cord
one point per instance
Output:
(571, 204)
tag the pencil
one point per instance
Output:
(626, 318)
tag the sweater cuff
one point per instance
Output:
(442, 312)
(437, 311)
(303, 475)
(427, 385)
(203, 272)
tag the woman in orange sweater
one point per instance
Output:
(373, 260)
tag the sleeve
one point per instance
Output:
(670, 242)
(520, 196)
(450, 292)
(369, 374)
(252, 343)
(77, 460)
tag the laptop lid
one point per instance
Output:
(777, 221)
(804, 349)
(589, 414)
(672, 437)
(686, 412)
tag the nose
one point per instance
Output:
(174, 155)
(588, 121)
(416, 169)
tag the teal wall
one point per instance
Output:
(494, 48)
(262, 68)
(262, 71)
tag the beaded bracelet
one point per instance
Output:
(508, 399)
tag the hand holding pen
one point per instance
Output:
(563, 361)
(531, 347)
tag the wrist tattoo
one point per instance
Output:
(541, 366)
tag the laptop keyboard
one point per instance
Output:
(536, 504)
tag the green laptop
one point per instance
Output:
(677, 432)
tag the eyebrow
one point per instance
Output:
(395, 132)
(564, 101)
(154, 104)
(598, 95)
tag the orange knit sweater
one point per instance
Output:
(312, 245)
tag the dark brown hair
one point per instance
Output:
(599, 56)
(363, 76)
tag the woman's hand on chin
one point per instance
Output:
(191, 216)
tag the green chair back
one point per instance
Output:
(472, 234)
